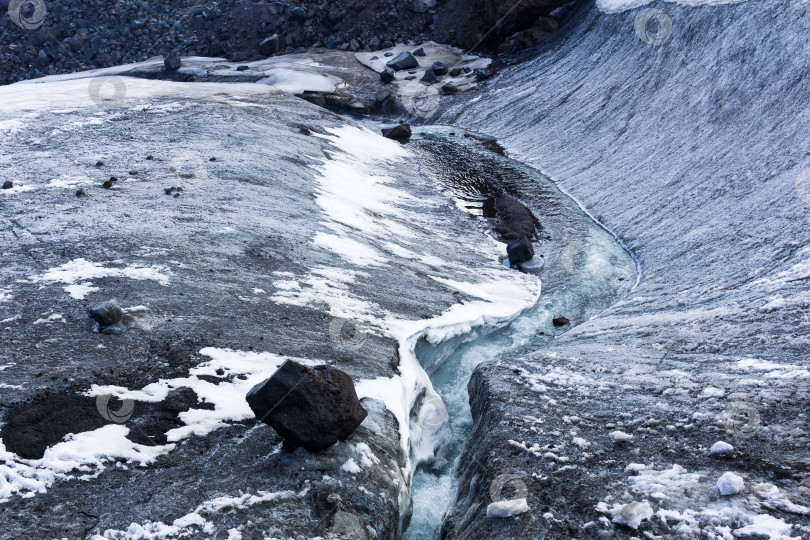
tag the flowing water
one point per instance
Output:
(586, 270)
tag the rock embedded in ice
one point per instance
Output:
(620, 436)
(402, 131)
(514, 218)
(721, 448)
(107, 313)
(429, 76)
(730, 484)
(404, 60)
(172, 62)
(439, 68)
(419, 52)
(387, 75)
(505, 509)
(309, 407)
(8, 184)
(632, 514)
(519, 251)
(560, 320)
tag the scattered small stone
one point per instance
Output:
(8, 184)
(439, 68)
(133, 173)
(449, 88)
(99, 163)
(172, 62)
(730, 484)
(521, 250)
(375, 57)
(419, 52)
(484, 73)
(150, 157)
(220, 372)
(401, 131)
(387, 75)
(176, 195)
(721, 448)
(560, 321)
(113, 179)
(174, 189)
(242, 68)
(212, 159)
(80, 192)
(455, 72)
(403, 62)
(107, 313)
(410, 77)
(309, 407)
(388, 54)
(107, 185)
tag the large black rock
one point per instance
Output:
(405, 60)
(521, 250)
(108, 313)
(514, 219)
(401, 131)
(309, 407)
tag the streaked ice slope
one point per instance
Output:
(696, 153)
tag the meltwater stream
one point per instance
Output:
(586, 270)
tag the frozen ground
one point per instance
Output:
(694, 151)
(291, 221)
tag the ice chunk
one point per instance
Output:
(620, 436)
(505, 509)
(632, 514)
(730, 484)
(721, 448)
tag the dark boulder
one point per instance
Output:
(519, 251)
(419, 52)
(8, 184)
(387, 75)
(298, 14)
(430, 76)
(309, 407)
(439, 68)
(107, 314)
(402, 131)
(560, 321)
(484, 73)
(514, 219)
(449, 88)
(405, 60)
(172, 62)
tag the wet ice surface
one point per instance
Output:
(694, 153)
